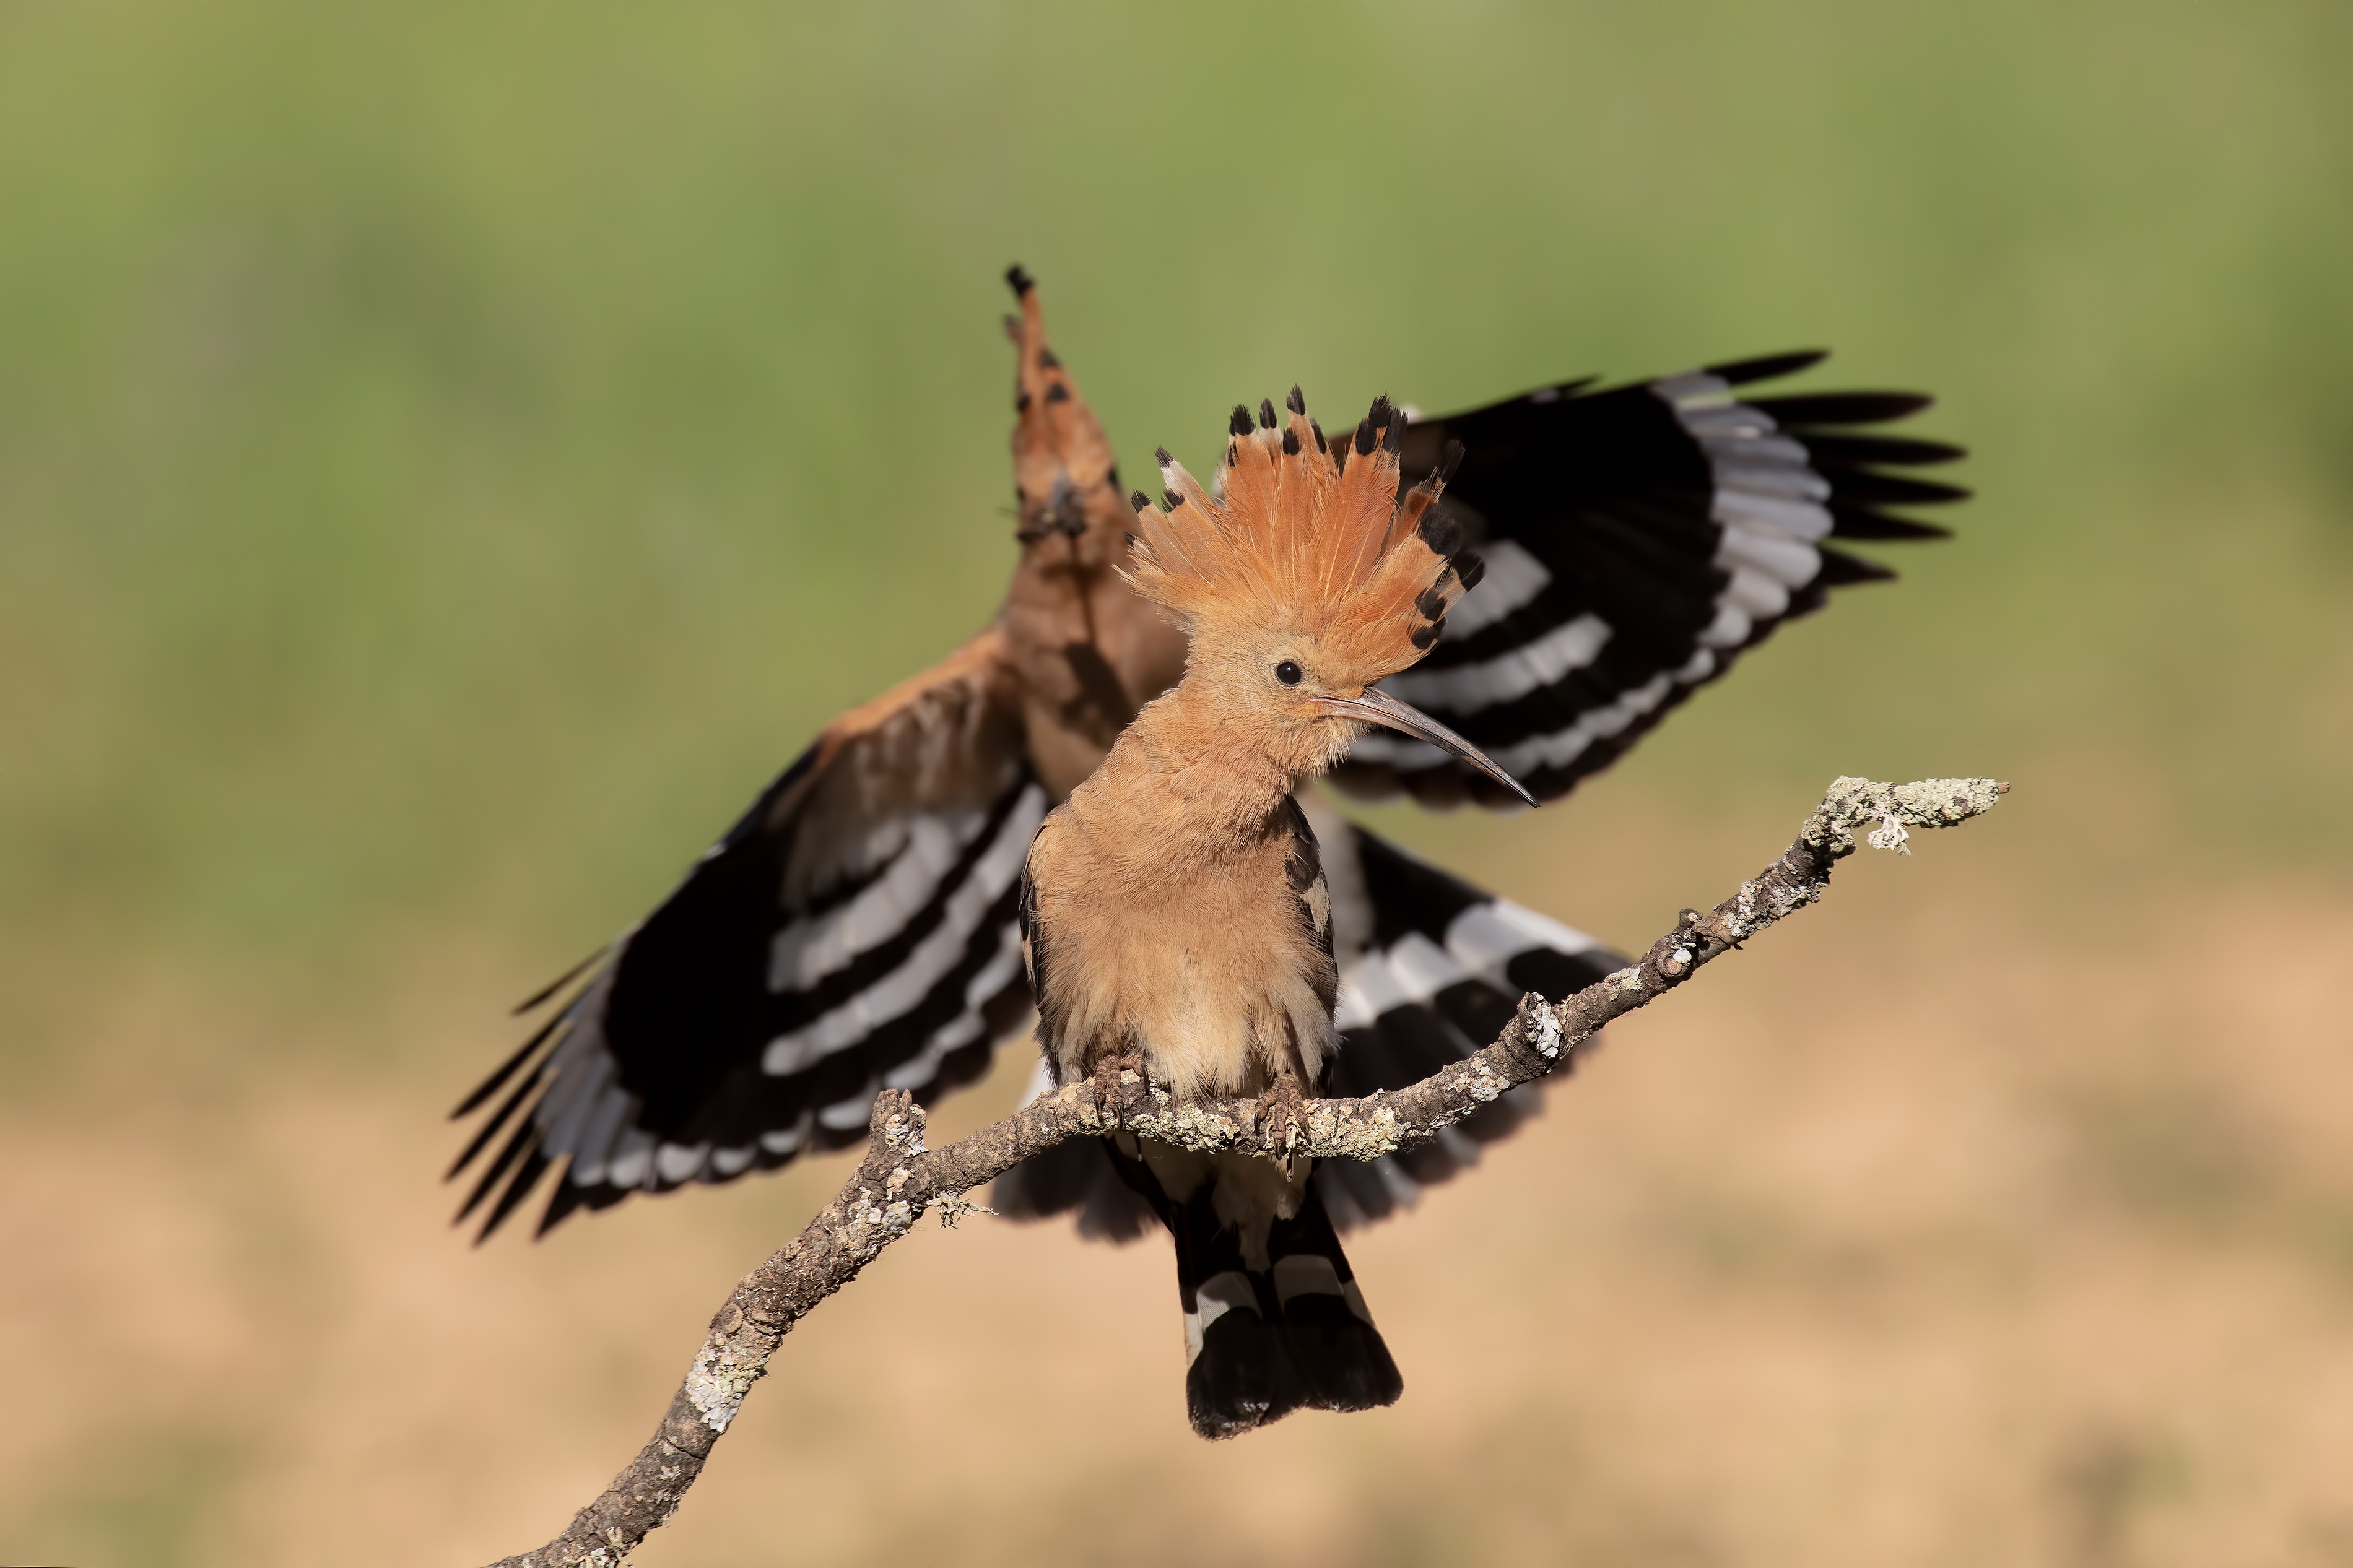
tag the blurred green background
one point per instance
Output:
(449, 455)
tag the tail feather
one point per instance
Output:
(1339, 1353)
(1261, 1342)
(1240, 1373)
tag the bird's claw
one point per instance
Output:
(1105, 1079)
(1282, 1114)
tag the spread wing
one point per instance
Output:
(1430, 970)
(855, 930)
(1636, 541)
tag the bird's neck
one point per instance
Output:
(1183, 780)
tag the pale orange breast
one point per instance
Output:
(1204, 969)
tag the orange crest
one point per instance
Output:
(1308, 537)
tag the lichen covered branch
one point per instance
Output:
(900, 1178)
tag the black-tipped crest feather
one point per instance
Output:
(1440, 533)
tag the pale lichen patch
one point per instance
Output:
(1546, 1038)
(717, 1383)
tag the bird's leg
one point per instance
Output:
(1105, 1078)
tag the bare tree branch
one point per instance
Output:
(900, 1178)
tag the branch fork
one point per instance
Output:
(900, 1178)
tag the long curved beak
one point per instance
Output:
(1377, 707)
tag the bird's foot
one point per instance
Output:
(1282, 1114)
(1105, 1079)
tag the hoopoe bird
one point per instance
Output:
(857, 927)
(1175, 911)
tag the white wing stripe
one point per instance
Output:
(1486, 937)
(1741, 510)
(1784, 560)
(1791, 480)
(587, 1167)
(1762, 597)
(854, 1112)
(1766, 500)
(1723, 420)
(1514, 578)
(1509, 676)
(675, 1163)
(1730, 629)
(785, 1139)
(808, 950)
(1690, 384)
(632, 1163)
(1550, 751)
(967, 1025)
(1747, 446)
(1422, 967)
(897, 992)
(1410, 971)
(1370, 988)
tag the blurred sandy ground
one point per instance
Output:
(1980, 1214)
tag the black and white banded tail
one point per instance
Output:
(1266, 1332)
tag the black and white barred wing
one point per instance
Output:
(854, 931)
(1635, 541)
(1430, 970)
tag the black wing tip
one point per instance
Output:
(486, 1088)
(1018, 278)
(1807, 408)
(526, 1136)
(506, 1069)
(1767, 367)
(1867, 487)
(1833, 453)
(526, 1177)
(1841, 570)
(1857, 523)
(489, 1130)
(568, 1196)
(533, 1001)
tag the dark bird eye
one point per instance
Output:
(1287, 672)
